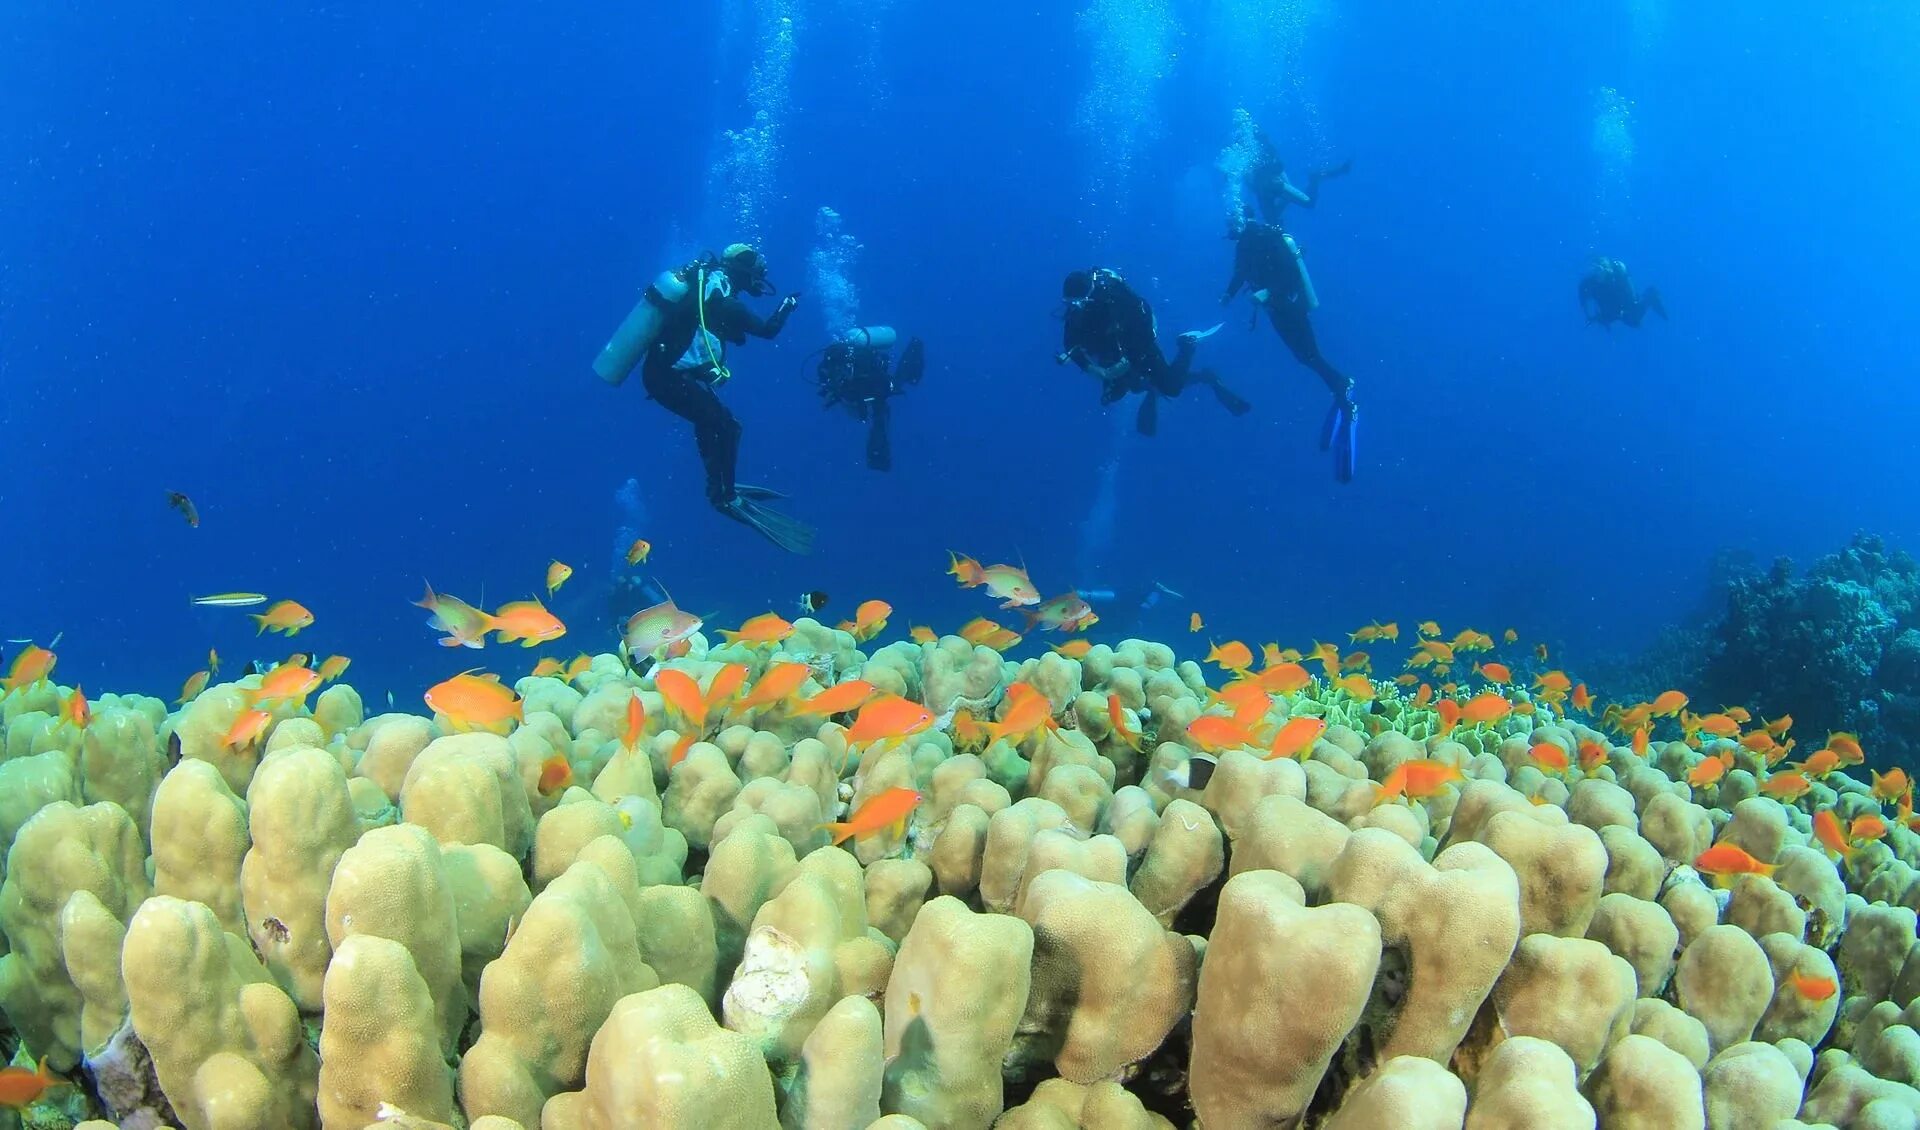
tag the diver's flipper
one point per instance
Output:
(783, 530)
(1331, 426)
(1201, 335)
(1147, 422)
(1229, 399)
(1346, 447)
(1650, 298)
(912, 364)
(759, 494)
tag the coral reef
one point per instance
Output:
(1074, 909)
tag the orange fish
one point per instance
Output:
(1867, 827)
(1813, 988)
(1640, 739)
(868, 620)
(1723, 860)
(683, 694)
(29, 667)
(837, 699)
(1495, 672)
(213, 661)
(1358, 661)
(1889, 786)
(920, 633)
(1247, 700)
(1509, 636)
(1357, 686)
(1011, 585)
(1549, 756)
(189, 690)
(679, 751)
(75, 710)
(1028, 711)
(1436, 651)
(1231, 656)
(334, 667)
(1540, 651)
(1117, 716)
(549, 668)
(1738, 714)
(246, 729)
(889, 808)
(1076, 649)
(1429, 628)
(1416, 779)
(555, 775)
(557, 574)
(776, 685)
(888, 718)
(465, 625)
(1485, 707)
(963, 569)
(1820, 763)
(1848, 747)
(1827, 830)
(768, 627)
(979, 629)
(286, 683)
(1284, 678)
(725, 684)
(1786, 786)
(1449, 715)
(1759, 742)
(297, 659)
(1406, 679)
(20, 1087)
(1779, 726)
(1719, 725)
(1296, 738)
(286, 617)
(527, 621)
(1001, 640)
(1592, 754)
(1423, 696)
(968, 733)
(1668, 704)
(1707, 773)
(1214, 732)
(636, 722)
(578, 666)
(471, 701)
(637, 552)
(1194, 623)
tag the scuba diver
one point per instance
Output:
(1123, 609)
(1606, 296)
(1111, 334)
(852, 373)
(679, 333)
(1267, 177)
(1268, 260)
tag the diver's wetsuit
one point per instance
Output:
(1265, 262)
(689, 392)
(1273, 191)
(1115, 328)
(858, 379)
(1606, 296)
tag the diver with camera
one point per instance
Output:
(853, 373)
(678, 334)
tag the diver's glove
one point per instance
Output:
(788, 303)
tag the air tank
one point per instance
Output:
(641, 328)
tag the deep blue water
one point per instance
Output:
(337, 271)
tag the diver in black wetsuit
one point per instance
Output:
(1606, 296)
(853, 374)
(1111, 334)
(1267, 178)
(687, 362)
(1268, 260)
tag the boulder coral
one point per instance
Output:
(1100, 921)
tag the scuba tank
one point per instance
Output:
(870, 337)
(641, 328)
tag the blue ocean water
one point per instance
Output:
(337, 270)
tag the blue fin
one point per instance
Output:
(1331, 426)
(1347, 448)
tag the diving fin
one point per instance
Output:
(1201, 335)
(783, 530)
(1331, 426)
(1229, 399)
(1147, 421)
(1346, 449)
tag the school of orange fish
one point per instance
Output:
(1485, 693)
